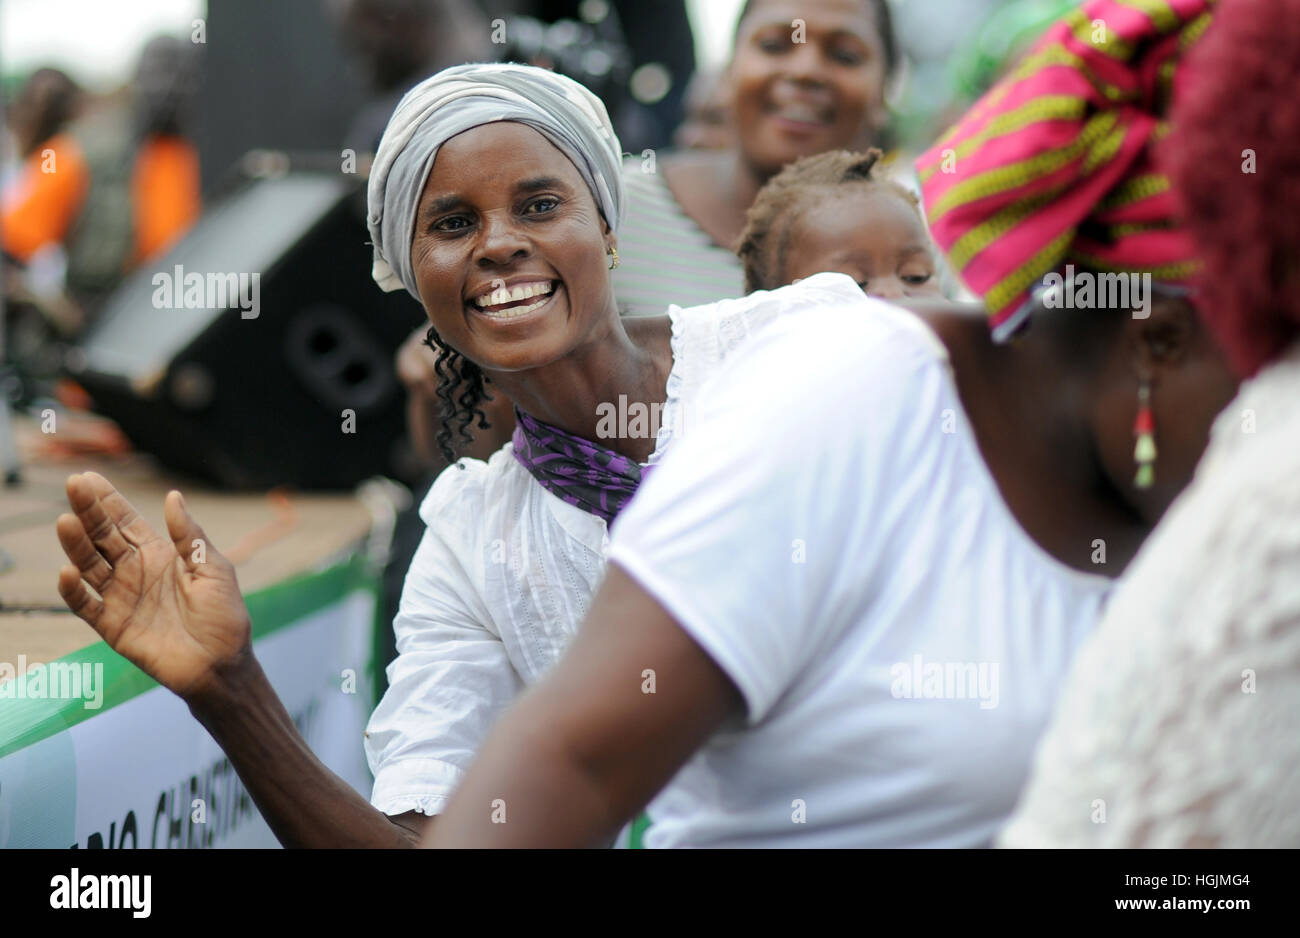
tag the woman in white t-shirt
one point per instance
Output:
(847, 627)
(839, 611)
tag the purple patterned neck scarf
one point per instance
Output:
(596, 479)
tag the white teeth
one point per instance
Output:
(516, 311)
(801, 113)
(522, 292)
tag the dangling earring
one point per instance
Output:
(1144, 428)
(613, 254)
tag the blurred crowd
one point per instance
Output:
(97, 183)
(93, 187)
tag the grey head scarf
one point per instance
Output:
(458, 99)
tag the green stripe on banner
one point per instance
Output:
(636, 836)
(24, 721)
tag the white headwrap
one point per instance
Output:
(466, 96)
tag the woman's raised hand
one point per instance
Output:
(171, 606)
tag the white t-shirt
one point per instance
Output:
(830, 535)
(505, 573)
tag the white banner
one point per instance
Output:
(146, 774)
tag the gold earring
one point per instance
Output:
(613, 253)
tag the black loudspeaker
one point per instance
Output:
(258, 351)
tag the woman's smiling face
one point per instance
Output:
(509, 249)
(796, 94)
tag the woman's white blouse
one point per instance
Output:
(1180, 724)
(506, 571)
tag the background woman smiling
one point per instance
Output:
(804, 78)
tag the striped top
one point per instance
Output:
(664, 256)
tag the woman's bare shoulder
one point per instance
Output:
(653, 333)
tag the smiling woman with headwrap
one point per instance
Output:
(495, 200)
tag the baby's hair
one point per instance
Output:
(795, 189)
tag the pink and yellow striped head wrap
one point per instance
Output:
(1055, 165)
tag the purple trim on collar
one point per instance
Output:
(586, 474)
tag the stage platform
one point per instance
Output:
(270, 536)
(92, 752)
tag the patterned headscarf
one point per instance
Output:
(458, 99)
(1055, 165)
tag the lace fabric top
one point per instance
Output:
(1180, 723)
(505, 573)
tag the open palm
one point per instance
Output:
(170, 605)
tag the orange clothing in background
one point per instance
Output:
(42, 203)
(164, 194)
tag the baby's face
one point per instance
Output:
(871, 234)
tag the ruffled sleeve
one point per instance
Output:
(452, 677)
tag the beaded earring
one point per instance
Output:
(1144, 429)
